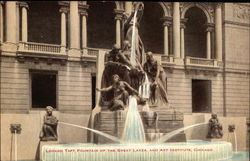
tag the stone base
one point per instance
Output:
(170, 120)
(110, 122)
(156, 124)
(42, 143)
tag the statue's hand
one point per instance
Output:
(154, 83)
(135, 91)
(97, 89)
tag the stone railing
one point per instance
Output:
(39, 48)
(93, 51)
(201, 62)
(169, 59)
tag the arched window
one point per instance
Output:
(101, 24)
(44, 22)
(151, 29)
(195, 33)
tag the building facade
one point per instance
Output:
(49, 53)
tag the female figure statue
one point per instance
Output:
(120, 93)
(157, 77)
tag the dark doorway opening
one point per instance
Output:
(43, 89)
(93, 81)
(201, 96)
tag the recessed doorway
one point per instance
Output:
(201, 96)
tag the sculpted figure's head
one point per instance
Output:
(49, 110)
(126, 45)
(214, 116)
(115, 47)
(138, 6)
(115, 78)
(149, 56)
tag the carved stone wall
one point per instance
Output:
(236, 58)
(237, 12)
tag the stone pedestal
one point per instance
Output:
(170, 120)
(157, 123)
(42, 143)
(149, 120)
(110, 122)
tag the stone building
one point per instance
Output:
(49, 52)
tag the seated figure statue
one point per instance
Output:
(157, 78)
(214, 127)
(120, 93)
(49, 129)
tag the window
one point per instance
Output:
(43, 89)
(151, 29)
(101, 24)
(44, 22)
(195, 33)
(201, 95)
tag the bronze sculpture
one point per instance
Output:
(157, 77)
(128, 30)
(120, 93)
(130, 66)
(49, 129)
(214, 127)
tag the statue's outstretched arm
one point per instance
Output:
(105, 89)
(130, 88)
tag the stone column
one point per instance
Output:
(166, 24)
(74, 52)
(64, 11)
(24, 8)
(84, 14)
(11, 22)
(183, 38)
(218, 32)
(17, 22)
(118, 19)
(1, 21)
(128, 7)
(208, 47)
(176, 29)
(84, 30)
(74, 26)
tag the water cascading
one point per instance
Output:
(175, 132)
(144, 89)
(133, 130)
(115, 139)
(133, 48)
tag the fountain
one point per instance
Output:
(120, 132)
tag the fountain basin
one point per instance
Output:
(183, 151)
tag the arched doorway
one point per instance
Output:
(44, 22)
(151, 29)
(195, 33)
(101, 24)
